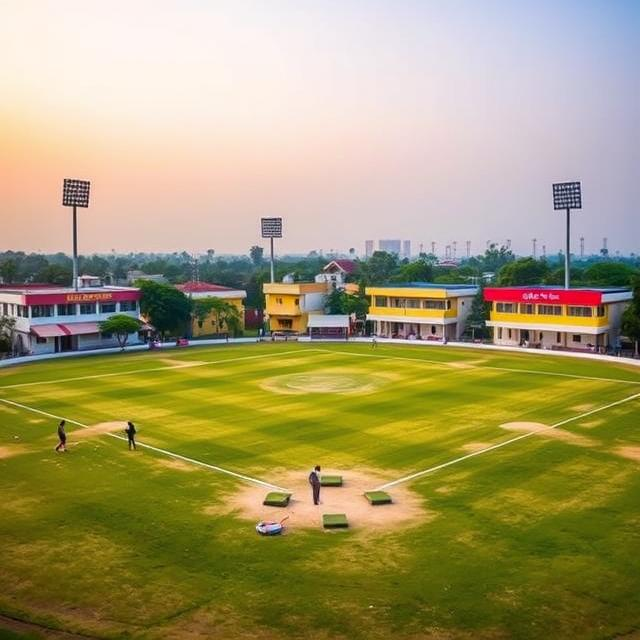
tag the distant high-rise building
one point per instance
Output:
(368, 248)
(406, 248)
(390, 246)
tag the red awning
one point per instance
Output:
(79, 328)
(48, 330)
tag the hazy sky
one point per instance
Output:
(352, 119)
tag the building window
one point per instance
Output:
(577, 338)
(528, 309)
(449, 304)
(433, 304)
(87, 308)
(381, 301)
(40, 340)
(558, 337)
(581, 312)
(506, 307)
(549, 310)
(128, 305)
(509, 333)
(285, 323)
(433, 330)
(412, 303)
(297, 302)
(600, 311)
(41, 310)
(541, 336)
(106, 336)
(278, 300)
(499, 333)
(66, 309)
(108, 307)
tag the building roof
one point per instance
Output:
(320, 320)
(202, 287)
(49, 289)
(425, 285)
(348, 266)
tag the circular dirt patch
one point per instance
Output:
(407, 508)
(323, 382)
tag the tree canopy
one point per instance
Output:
(167, 308)
(121, 326)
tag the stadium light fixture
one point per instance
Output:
(271, 228)
(75, 193)
(567, 196)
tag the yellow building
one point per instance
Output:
(552, 318)
(288, 305)
(420, 310)
(213, 323)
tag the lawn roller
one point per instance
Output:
(271, 528)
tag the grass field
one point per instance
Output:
(539, 538)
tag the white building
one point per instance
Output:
(52, 319)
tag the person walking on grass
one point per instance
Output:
(314, 481)
(62, 436)
(131, 435)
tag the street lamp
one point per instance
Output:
(271, 228)
(567, 195)
(75, 193)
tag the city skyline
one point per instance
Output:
(402, 120)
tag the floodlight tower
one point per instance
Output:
(468, 249)
(581, 247)
(75, 193)
(433, 248)
(272, 228)
(534, 241)
(544, 250)
(567, 195)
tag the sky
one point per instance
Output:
(429, 121)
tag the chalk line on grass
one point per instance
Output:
(472, 367)
(424, 472)
(165, 452)
(187, 365)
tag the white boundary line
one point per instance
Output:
(186, 365)
(165, 452)
(419, 474)
(469, 367)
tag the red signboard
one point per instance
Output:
(81, 296)
(532, 295)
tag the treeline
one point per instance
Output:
(498, 265)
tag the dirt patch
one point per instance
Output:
(320, 381)
(476, 446)
(98, 429)
(407, 509)
(19, 626)
(632, 453)
(181, 363)
(557, 434)
(176, 465)
(12, 450)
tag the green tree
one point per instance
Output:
(9, 270)
(168, 309)
(378, 269)
(339, 302)
(420, 270)
(609, 274)
(257, 254)
(523, 271)
(227, 315)
(7, 327)
(121, 326)
(495, 257)
(477, 318)
(631, 316)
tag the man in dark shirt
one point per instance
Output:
(314, 481)
(62, 436)
(131, 435)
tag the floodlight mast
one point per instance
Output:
(567, 195)
(75, 193)
(271, 228)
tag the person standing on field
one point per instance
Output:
(314, 481)
(62, 436)
(131, 435)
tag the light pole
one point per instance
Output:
(567, 195)
(271, 228)
(75, 193)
